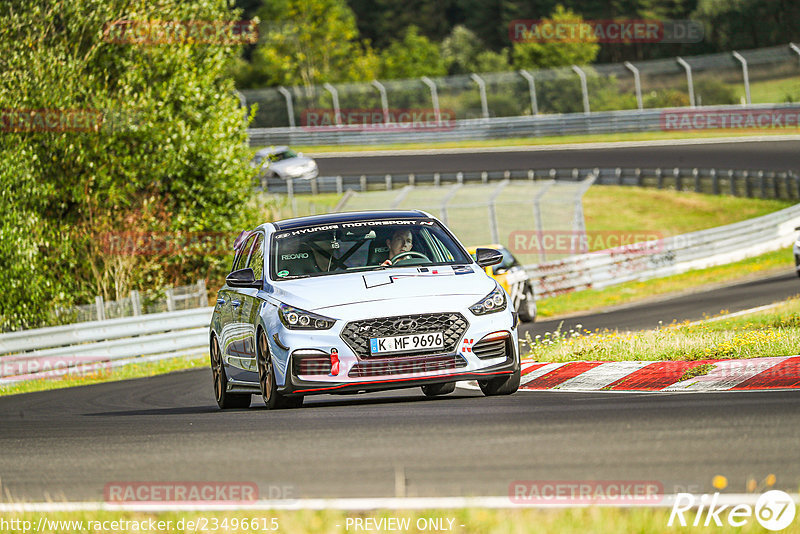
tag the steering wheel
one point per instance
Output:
(409, 253)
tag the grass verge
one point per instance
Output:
(550, 140)
(138, 370)
(773, 332)
(630, 292)
(472, 520)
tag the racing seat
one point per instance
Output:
(378, 251)
(301, 262)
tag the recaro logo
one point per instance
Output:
(299, 255)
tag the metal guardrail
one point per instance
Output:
(50, 351)
(737, 182)
(668, 256)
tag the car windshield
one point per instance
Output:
(362, 246)
(275, 156)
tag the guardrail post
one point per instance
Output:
(437, 179)
(531, 175)
(796, 180)
(696, 174)
(745, 75)
(774, 184)
(459, 177)
(618, 175)
(733, 185)
(676, 174)
(748, 189)
(201, 288)
(637, 83)
(337, 112)
(100, 307)
(363, 182)
(314, 186)
(412, 179)
(584, 88)
(713, 180)
(532, 90)
(339, 186)
(484, 177)
(659, 178)
(639, 181)
(762, 184)
(136, 303)
(553, 174)
(384, 100)
(289, 106)
(434, 99)
(170, 299)
(388, 179)
(482, 88)
(689, 82)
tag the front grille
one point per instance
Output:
(401, 366)
(358, 333)
(491, 349)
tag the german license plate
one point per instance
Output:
(384, 345)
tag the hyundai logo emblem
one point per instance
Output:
(405, 324)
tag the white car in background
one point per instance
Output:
(282, 162)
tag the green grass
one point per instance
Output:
(550, 140)
(139, 370)
(629, 292)
(773, 91)
(596, 520)
(773, 332)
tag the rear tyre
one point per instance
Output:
(504, 385)
(527, 307)
(224, 399)
(433, 390)
(266, 379)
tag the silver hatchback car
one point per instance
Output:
(284, 163)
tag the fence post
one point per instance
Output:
(618, 175)
(584, 88)
(412, 179)
(437, 179)
(339, 186)
(100, 307)
(459, 177)
(659, 178)
(434, 99)
(733, 184)
(337, 112)
(384, 100)
(774, 184)
(388, 179)
(639, 180)
(532, 89)
(363, 182)
(714, 179)
(676, 173)
(745, 75)
(484, 177)
(201, 288)
(795, 48)
(289, 106)
(637, 83)
(696, 174)
(136, 303)
(314, 186)
(531, 175)
(482, 88)
(689, 82)
(170, 299)
(762, 184)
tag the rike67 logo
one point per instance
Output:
(774, 510)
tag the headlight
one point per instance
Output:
(296, 319)
(491, 303)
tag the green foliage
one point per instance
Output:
(164, 151)
(464, 53)
(543, 55)
(713, 92)
(666, 98)
(412, 57)
(307, 42)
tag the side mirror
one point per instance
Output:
(485, 257)
(243, 278)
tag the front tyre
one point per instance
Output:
(266, 379)
(224, 399)
(504, 385)
(433, 390)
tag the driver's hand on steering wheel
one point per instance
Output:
(386, 263)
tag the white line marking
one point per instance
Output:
(727, 374)
(367, 503)
(541, 371)
(602, 375)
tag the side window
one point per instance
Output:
(241, 259)
(256, 261)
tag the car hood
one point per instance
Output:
(291, 163)
(324, 292)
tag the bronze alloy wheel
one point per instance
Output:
(224, 399)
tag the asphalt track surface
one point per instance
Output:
(766, 155)
(69, 444)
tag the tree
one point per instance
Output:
(542, 55)
(412, 57)
(128, 138)
(308, 42)
(463, 53)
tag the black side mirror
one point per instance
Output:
(243, 278)
(485, 257)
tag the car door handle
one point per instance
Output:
(235, 303)
(220, 302)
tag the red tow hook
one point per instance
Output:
(334, 362)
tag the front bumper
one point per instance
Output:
(356, 373)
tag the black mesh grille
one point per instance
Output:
(358, 333)
(400, 366)
(311, 365)
(491, 349)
